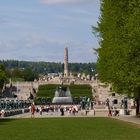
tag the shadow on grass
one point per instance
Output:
(3, 121)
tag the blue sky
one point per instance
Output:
(39, 30)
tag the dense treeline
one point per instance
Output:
(3, 77)
(48, 67)
(119, 53)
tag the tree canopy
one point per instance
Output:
(46, 67)
(2, 77)
(119, 52)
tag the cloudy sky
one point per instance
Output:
(39, 30)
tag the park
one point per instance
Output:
(58, 81)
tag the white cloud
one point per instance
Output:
(37, 48)
(67, 1)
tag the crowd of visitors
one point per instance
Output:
(61, 109)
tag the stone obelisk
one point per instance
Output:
(66, 72)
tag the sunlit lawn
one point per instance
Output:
(67, 129)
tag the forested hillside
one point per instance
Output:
(48, 67)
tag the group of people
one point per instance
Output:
(34, 109)
(112, 111)
(73, 109)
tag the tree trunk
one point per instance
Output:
(0, 90)
(138, 102)
(137, 106)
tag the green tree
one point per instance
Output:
(119, 52)
(30, 75)
(3, 77)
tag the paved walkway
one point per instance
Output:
(127, 118)
(130, 118)
(57, 114)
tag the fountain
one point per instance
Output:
(62, 95)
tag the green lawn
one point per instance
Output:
(67, 129)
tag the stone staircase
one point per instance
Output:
(24, 89)
(54, 80)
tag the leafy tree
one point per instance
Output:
(119, 52)
(30, 75)
(3, 77)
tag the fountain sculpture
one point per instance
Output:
(62, 95)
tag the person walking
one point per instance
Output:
(62, 111)
(109, 112)
(32, 110)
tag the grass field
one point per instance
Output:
(67, 129)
